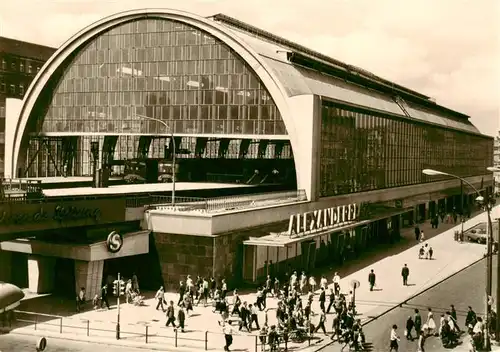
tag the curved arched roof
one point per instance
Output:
(300, 81)
(79, 40)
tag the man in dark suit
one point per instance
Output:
(322, 299)
(332, 300)
(405, 272)
(371, 279)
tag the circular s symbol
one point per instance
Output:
(114, 242)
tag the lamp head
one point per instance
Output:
(480, 199)
(431, 172)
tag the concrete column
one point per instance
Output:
(5, 266)
(41, 274)
(88, 275)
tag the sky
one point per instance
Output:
(446, 49)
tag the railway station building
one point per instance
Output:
(317, 157)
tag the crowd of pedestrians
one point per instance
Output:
(448, 330)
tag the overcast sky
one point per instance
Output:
(447, 49)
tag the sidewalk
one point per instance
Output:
(139, 322)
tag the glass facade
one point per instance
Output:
(363, 152)
(165, 70)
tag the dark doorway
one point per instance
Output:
(19, 273)
(64, 278)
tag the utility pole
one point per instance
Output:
(497, 330)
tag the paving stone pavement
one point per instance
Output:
(139, 322)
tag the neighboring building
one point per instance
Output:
(244, 106)
(19, 63)
(496, 162)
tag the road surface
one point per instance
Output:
(462, 290)
(25, 343)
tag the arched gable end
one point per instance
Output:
(56, 73)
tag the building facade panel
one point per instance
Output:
(363, 152)
(161, 69)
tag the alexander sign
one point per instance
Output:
(323, 219)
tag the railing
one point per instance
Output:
(220, 204)
(14, 190)
(147, 333)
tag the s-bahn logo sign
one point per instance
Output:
(114, 242)
(322, 219)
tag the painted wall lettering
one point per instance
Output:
(59, 213)
(322, 219)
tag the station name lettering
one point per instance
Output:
(322, 219)
(59, 214)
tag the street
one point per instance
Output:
(26, 343)
(462, 290)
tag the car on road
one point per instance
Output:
(478, 235)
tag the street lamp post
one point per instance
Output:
(489, 271)
(167, 127)
(497, 328)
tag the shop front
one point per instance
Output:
(320, 238)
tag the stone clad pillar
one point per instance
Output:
(41, 274)
(88, 275)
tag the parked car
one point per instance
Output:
(477, 235)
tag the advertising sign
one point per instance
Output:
(19, 217)
(114, 242)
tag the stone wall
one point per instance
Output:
(182, 255)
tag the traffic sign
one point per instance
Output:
(355, 284)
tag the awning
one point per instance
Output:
(282, 239)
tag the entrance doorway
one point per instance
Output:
(64, 278)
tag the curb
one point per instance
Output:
(111, 342)
(398, 305)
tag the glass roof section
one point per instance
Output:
(299, 80)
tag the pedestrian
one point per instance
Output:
(244, 317)
(272, 339)
(170, 314)
(417, 233)
(80, 299)
(322, 299)
(417, 322)
(422, 236)
(321, 324)
(331, 300)
(335, 326)
(431, 252)
(410, 324)
(405, 272)
(228, 335)
(453, 315)
(431, 324)
(471, 317)
(182, 290)
(312, 283)
(253, 316)
(371, 279)
(135, 283)
(104, 296)
(160, 297)
(128, 291)
(181, 317)
(394, 339)
(421, 252)
(336, 283)
(323, 282)
(421, 341)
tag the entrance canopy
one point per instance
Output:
(134, 243)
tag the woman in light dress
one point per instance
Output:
(431, 324)
(442, 321)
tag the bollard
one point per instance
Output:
(256, 343)
(60, 325)
(88, 328)
(175, 337)
(309, 340)
(206, 340)
(147, 333)
(36, 320)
